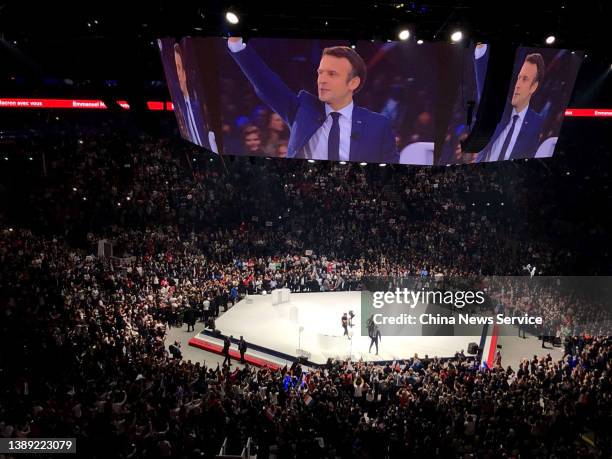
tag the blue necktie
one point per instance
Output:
(502, 154)
(333, 141)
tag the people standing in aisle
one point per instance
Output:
(242, 347)
(227, 342)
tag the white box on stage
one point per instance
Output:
(280, 295)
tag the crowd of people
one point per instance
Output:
(84, 350)
(451, 217)
(85, 357)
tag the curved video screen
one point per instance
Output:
(373, 102)
(540, 90)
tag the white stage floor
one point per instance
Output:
(277, 327)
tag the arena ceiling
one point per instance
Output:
(88, 42)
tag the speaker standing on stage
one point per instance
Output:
(345, 324)
(375, 336)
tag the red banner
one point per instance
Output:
(589, 112)
(155, 105)
(53, 103)
(96, 104)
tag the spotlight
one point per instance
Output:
(404, 34)
(31, 159)
(550, 39)
(84, 198)
(232, 17)
(6, 158)
(363, 164)
(419, 42)
(74, 188)
(457, 36)
(311, 161)
(128, 198)
(342, 162)
(382, 164)
(353, 46)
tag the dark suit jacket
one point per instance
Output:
(527, 142)
(198, 117)
(226, 345)
(371, 136)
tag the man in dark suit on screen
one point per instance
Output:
(329, 125)
(189, 111)
(517, 136)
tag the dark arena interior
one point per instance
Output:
(210, 249)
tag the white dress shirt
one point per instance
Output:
(191, 124)
(316, 148)
(193, 131)
(499, 142)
